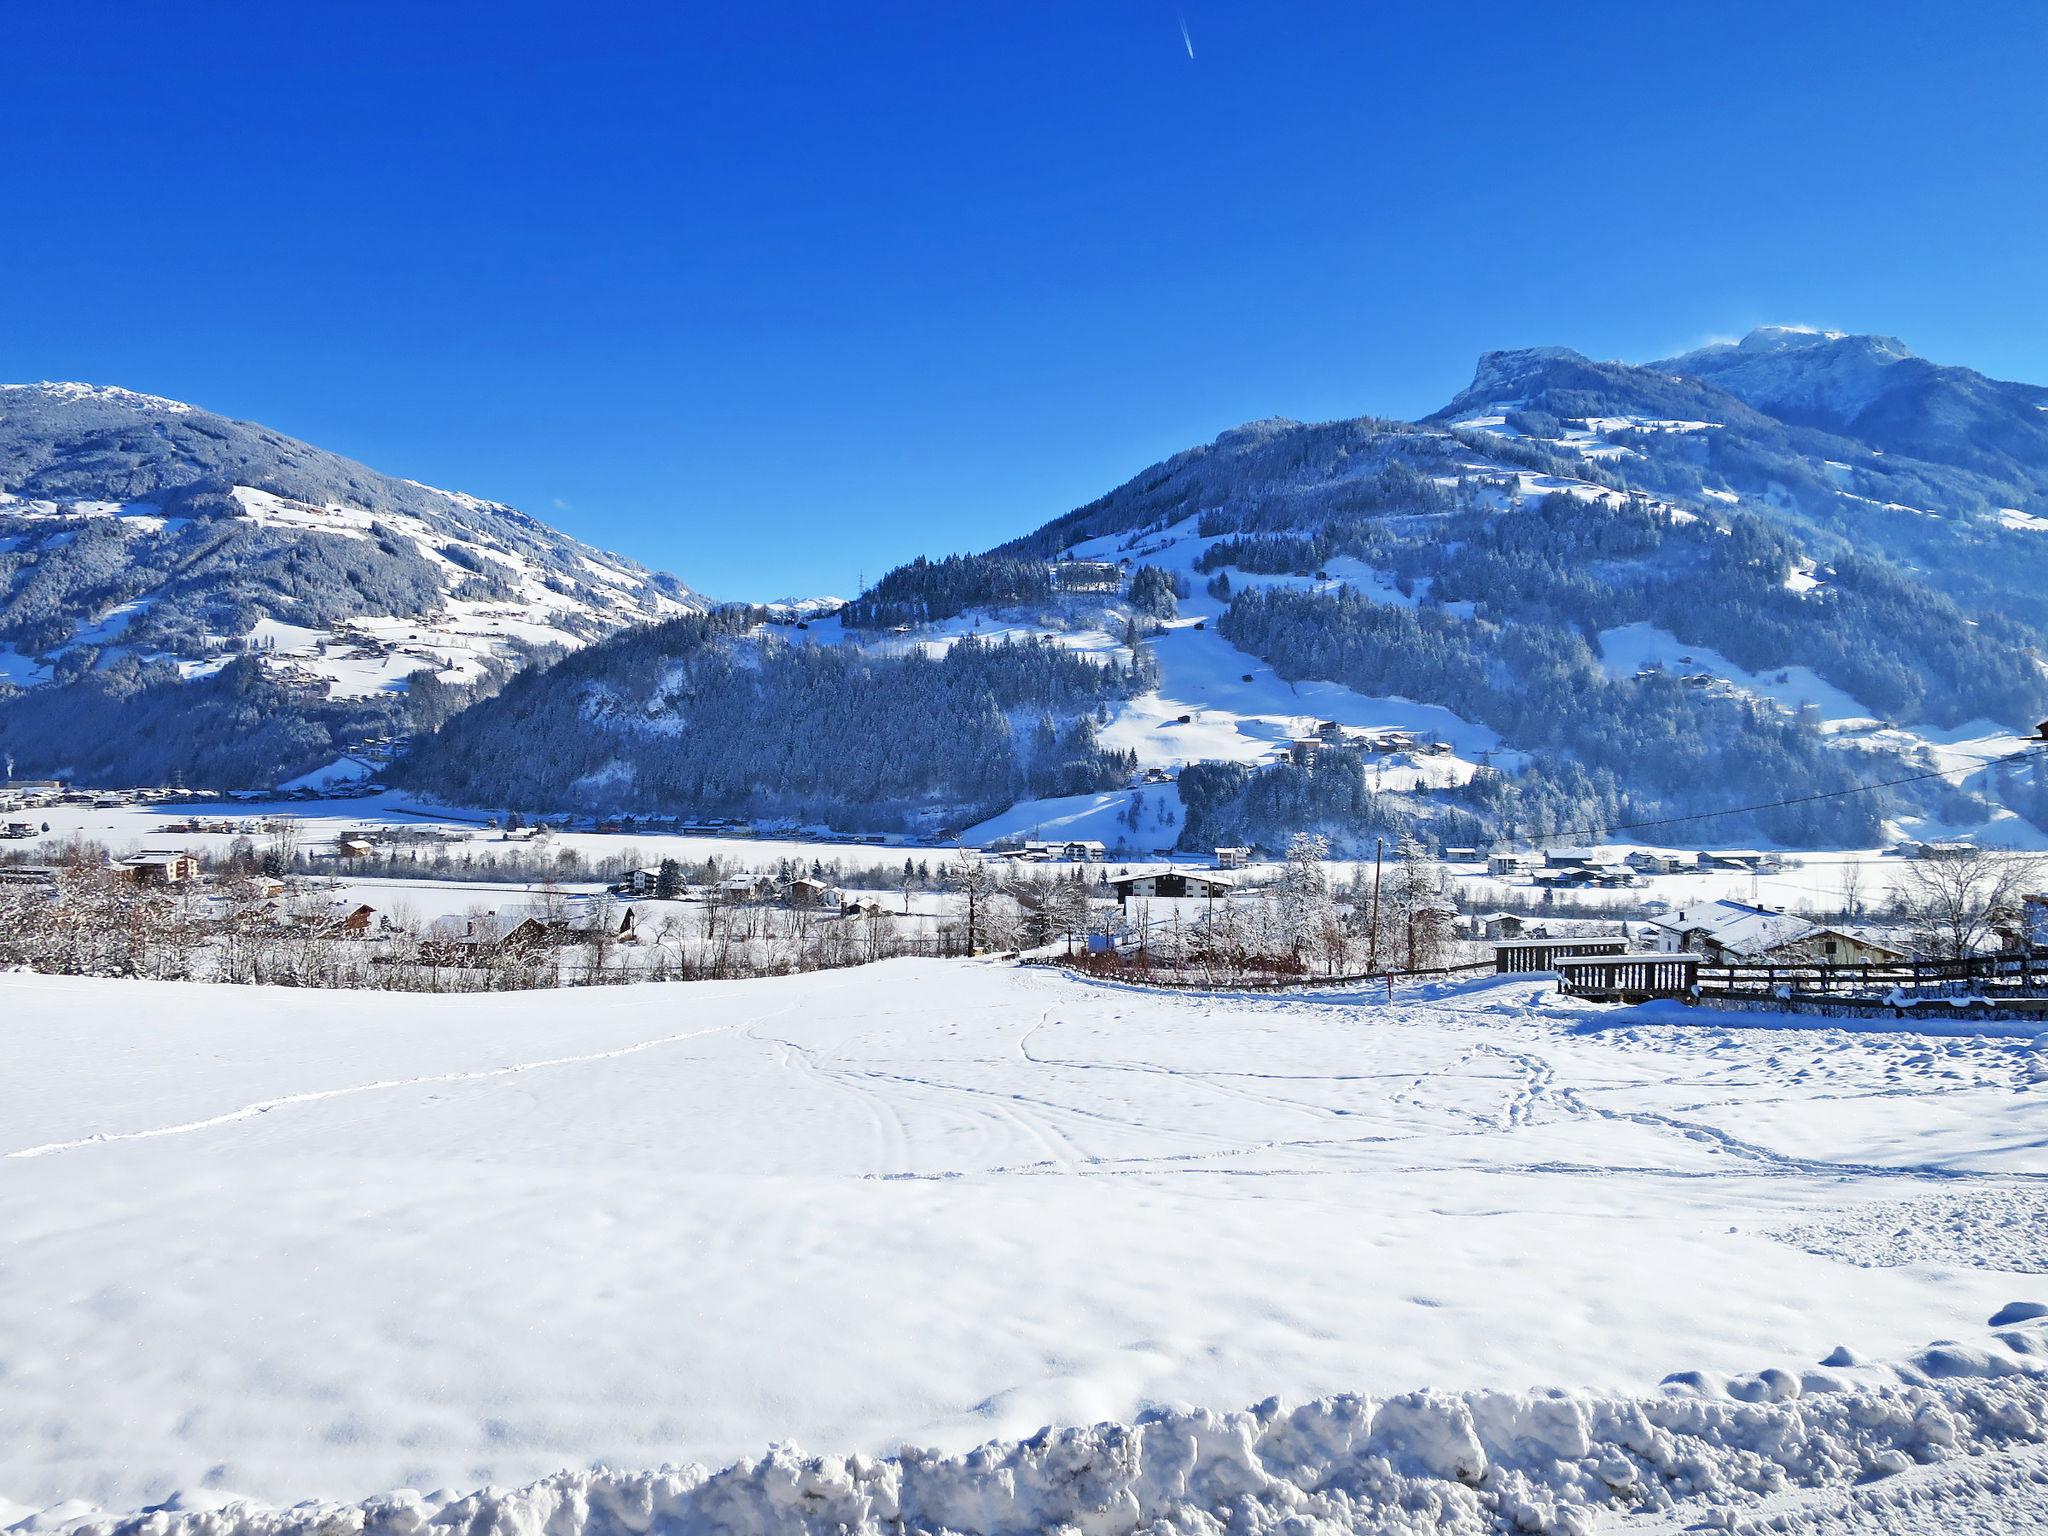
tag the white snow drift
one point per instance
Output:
(273, 1246)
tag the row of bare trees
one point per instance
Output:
(88, 920)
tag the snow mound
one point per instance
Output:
(1420, 1462)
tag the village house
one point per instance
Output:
(468, 939)
(1731, 932)
(471, 938)
(353, 847)
(1606, 877)
(1233, 858)
(638, 882)
(805, 894)
(1748, 860)
(594, 920)
(18, 829)
(1575, 858)
(1645, 862)
(1072, 851)
(1852, 946)
(1172, 883)
(1501, 925)
(343, 920)
(159, 866)
(1513, 863)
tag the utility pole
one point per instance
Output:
(1379, 847)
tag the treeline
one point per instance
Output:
(704, 715)
(926, 591)
(1231, 805)
(140, 722)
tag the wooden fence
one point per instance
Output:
(2016, 974)
(1218, 979)
(1626, 978)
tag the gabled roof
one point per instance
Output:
(1736, 926)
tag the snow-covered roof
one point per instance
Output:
(1736, 926)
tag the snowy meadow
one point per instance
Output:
(275, 1246)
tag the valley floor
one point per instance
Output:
(298, 1245)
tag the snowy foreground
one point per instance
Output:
(1483, 1258)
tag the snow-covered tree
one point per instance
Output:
(1305, 908)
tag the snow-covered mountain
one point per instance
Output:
(1873, 389)
(1584, 594)
(145, 541)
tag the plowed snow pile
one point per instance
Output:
(261, 1247)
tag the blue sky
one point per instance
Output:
(774, 295)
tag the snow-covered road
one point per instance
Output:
(325, 1244)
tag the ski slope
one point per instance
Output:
(305, 1245)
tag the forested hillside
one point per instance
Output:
(715, 715)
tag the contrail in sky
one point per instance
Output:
(1185, 38)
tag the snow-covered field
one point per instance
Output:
(318, 1245)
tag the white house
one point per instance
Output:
(1729, 931)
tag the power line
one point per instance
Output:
(1584, 833)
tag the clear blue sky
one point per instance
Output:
(771, 295)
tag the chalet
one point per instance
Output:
(595, 920)
(470, 939)
(342, 920)
(1644, 862)
(159, 866)
(1605, 877)
(1746, 860)
(18, 829)
(1233, 858)
(1852, 946)
(806, 894)
(353, 847)
(1513, 863)
(1500, 925)
(868, 906)
(1171, 883)
(41, 876)
(638, 882)
(1573, 858)
(1461, 855)
(1731, 932)
(1072, 851)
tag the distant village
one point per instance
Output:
(221, 892)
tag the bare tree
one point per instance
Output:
(1954, 902)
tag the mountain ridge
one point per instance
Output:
(1625, 592)
(146, 542)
